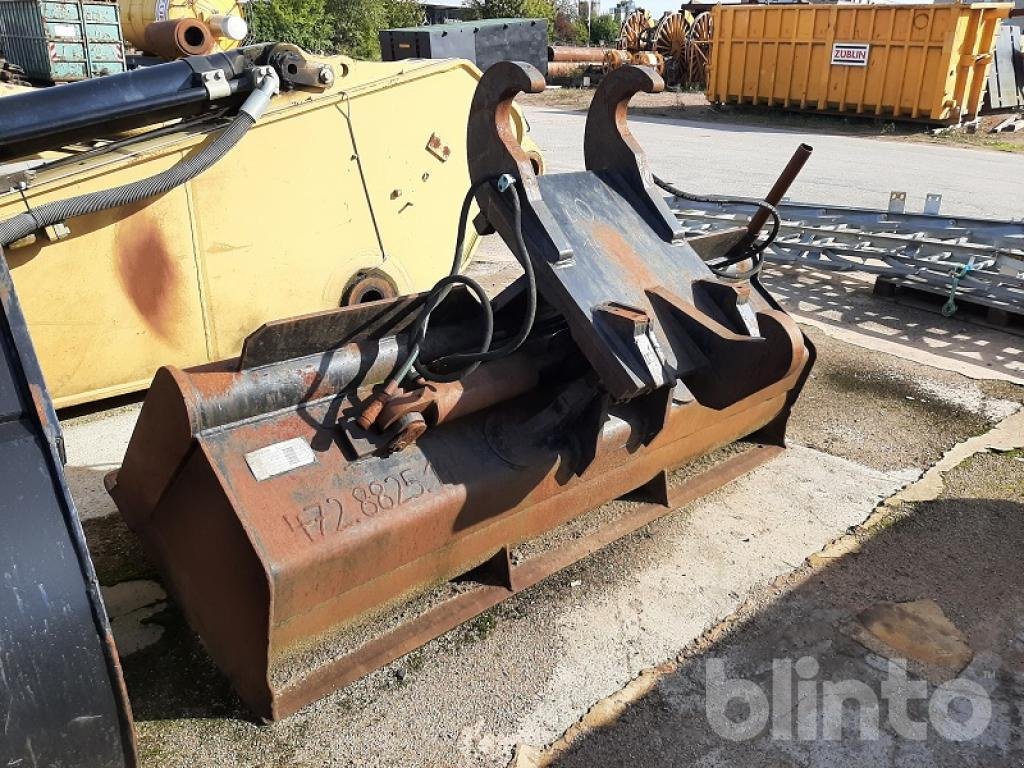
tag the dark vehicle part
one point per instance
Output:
(188, 168)
(283, 512)
(62, 698)
(24, 224)
(483, 41)
(12, 73)
(47, 118)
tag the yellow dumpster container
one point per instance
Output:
(919, 62)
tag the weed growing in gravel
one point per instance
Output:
(482, 627)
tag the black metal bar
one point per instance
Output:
(48, 118)
(63, 698)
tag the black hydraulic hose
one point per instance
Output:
(25, 224)
(209, 120)
(468, 362)
(763, 204)
(755, 250)
(471, 360)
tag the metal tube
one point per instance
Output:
(781, 186)
(576, 53)
(558, 69)
(230, 395)
(178, 38)
(230, 27)
(47, 118)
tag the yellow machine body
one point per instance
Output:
(367, 176)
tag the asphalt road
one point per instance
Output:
(718, 158)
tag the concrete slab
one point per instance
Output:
(95, 444)
(788, 682)
(844, 306)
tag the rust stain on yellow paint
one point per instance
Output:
(148, 273)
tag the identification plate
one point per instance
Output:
(850, 54)
(279, 458)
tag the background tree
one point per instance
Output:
(516, 9)
(305, 23)
(570, 25)
(604, 30)
(541, 9)
(357, 23)
(331, 26)
(497, 9)
(567, 29)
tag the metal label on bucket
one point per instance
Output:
(279, 458)
(850, 54)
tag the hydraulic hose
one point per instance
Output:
(469, 361)
(753, 250)
(750, 247)
(25, 224)
(472, 360)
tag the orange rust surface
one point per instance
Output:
(39, 398)
(611, 242)
(148, 273)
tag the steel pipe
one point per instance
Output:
(781, 186)
(178, 38)
(560, 69)
(48, 118)
(576, 53)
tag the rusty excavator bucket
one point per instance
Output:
(356, 462)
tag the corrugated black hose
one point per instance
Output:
(25, 224)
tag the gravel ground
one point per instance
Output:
(882, 412)
(961, 550)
